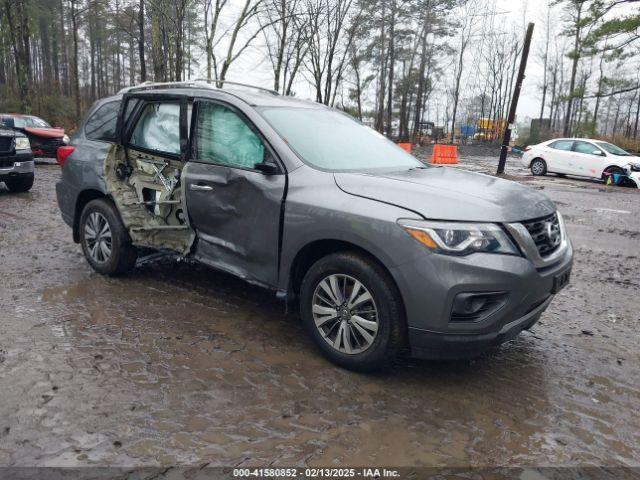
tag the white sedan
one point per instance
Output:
(578, 156)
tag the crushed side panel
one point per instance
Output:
(148, 193)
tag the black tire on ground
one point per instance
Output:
(538, 166)
(20, 184)
(391, 333)
(123, 254)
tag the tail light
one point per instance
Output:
(63, 152)
(526, 149)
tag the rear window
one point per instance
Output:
(102, 124)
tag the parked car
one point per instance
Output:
(16, 160)
(379, 251)
(583, 157)
(44, 138)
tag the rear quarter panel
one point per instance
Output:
(82, 171)
(537, 151)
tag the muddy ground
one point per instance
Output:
(177, 364)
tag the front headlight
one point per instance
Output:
(453, 238)
(22, 143)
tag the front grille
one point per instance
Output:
(6, 163)
(6, 144)
(545, 233)
(47, 145)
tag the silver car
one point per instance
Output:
(381, 253)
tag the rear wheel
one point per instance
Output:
(352, 310)
(105, 241)
(538, 166)
(21, 184)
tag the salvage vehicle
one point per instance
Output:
(16, 160)
(379, 252)
(582, 157)
(44, 138)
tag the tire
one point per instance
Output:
(538, 167)
(120, 255)
(21, 184)
(371, 348)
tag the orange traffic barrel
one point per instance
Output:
(405, 146)
(444, 154)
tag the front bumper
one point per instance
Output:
(430, 284)
(431, 345)
(18, 165)
(45, 147)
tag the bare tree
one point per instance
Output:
(285, 40)
(466, 31)
(141, 40)
(327, 56)
(545, 58)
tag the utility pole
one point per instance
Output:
(514, 101)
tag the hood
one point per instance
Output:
(449, 194)
(9, 132)
(46, 132)
(625, 158)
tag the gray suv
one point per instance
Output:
(380, 252)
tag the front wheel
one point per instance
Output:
(538, 167)
(609, 172)
(105, 241)
(352, 310)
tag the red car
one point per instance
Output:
(44, 138)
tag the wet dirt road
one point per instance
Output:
(176, 364)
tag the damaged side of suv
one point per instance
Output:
(143, 172)
(150, 155)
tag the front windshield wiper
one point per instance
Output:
(421, 167)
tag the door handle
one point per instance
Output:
(200, 188)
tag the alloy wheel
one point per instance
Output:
(345, 313)
(537, 167)
(97, 236)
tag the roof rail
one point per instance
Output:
(154, 85)
(197, 83)
(229, 82)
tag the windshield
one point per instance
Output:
(612, 149)
(30, 122)
(330, 140)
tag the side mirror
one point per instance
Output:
(598, 152)
(266, 168)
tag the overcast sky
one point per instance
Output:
(254, 68)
